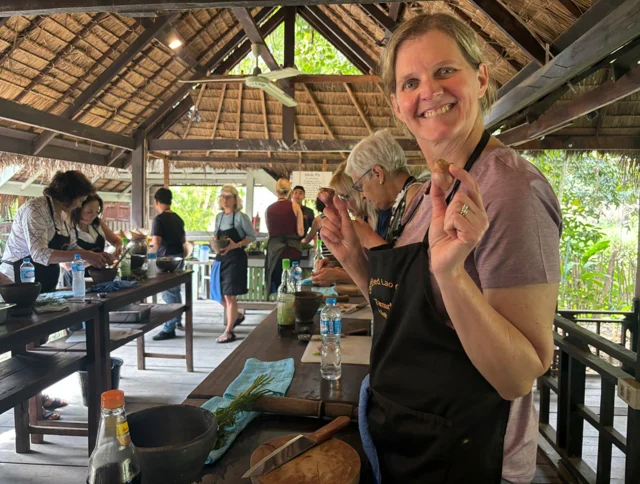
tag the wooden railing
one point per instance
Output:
(576, 353)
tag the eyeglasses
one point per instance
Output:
(357, 186)
(344, 197)
(227, 197)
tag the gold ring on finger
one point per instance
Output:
(464, 210)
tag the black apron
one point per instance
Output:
(432, 416)
(233, 265)
(97, 246)
(48, 275)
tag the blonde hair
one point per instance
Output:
(379, 148)
(342, 183)
(230, 190)
(283, 187)
(415, 28)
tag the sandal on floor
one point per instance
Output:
(226, 337)
(239, 321)
(55, 402)
(49, 415)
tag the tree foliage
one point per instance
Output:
(313, 53)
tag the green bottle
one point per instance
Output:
(286, 302)
(125, 265)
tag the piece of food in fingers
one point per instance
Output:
(441, 175)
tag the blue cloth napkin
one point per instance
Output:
(214, 282)
(326, 291)
(49, 296)
(365, 435)
(282, 373)
(112, 286)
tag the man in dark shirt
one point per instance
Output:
(168, 236)
(297, 196)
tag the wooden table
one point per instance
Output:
(264, 344)
(93, 354)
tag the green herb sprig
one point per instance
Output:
(244, 402)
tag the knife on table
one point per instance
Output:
(296, 446)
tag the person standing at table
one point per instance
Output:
(92, 233)
(464, 294)
(285, 224)
(168, 235)
(297, 196)
(42, 231)
(235, 226)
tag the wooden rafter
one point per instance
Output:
(219, 110)
(380, 17)
(239, 113)
(513, 28)
(395, 10)
(384, 95)
(319, 113)
(263, 101)
(559, 117)
(107, 76)
(358, 107)
(253, 33)
(616, 29)
(289, 113)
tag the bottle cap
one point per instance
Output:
(295, 263)
(331, 300)
(286, 264)
(125, 241)
(26, 259)
(77, 257)
(113, 399)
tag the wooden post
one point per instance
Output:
(289, 114)
(324, 165)
(138, 180)
(166, 168)
(251, 184)
(20, 201)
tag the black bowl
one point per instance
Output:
(23, 295)
(172, 442)
(137, 260)
(168, 264)
(307, 304)
(106, 274)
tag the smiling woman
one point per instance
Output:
(461, 331)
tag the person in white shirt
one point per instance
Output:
(41, 231)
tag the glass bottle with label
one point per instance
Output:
(114, 460)
(286, 301)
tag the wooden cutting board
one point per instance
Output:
(356, 350)
(348, 290)
(332, 462)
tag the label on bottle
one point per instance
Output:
(337, 326)
(324, 325)
(27, 273)
(122, 433)
(286, 311)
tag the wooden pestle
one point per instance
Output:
(305, 408)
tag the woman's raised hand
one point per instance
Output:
(338, 232)
(457, 228)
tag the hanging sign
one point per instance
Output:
(312, 181)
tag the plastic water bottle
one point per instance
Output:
(27, 271)
(77, 270)
(330, 330)
(296, 272)
(205, 250)
(152, 257)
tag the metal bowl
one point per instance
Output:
(23, 295)
(106, 274)
(168, 264)
(172, 442)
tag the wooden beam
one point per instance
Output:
(212, 65)
(263, 101)
(582, 143)
(334, 79)
(106, 77)
(239, 114)
(31, 179)
(618, 28)
(336, 36)
(253, 33)
(138, 180)
(513, 27)
(395, 10)
(261, 162)
(166, 169)
(217, 118)
(593, 100)
(381, 18)
(8, 172)
(35, 190)
(318, 112)
(289, 113)
(23, 114)
(358, 108)
(223, 144)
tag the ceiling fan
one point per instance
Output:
(260, 80)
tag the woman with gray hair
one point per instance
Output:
(379, 167)
(236, 227)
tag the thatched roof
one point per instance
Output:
(49, 61)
